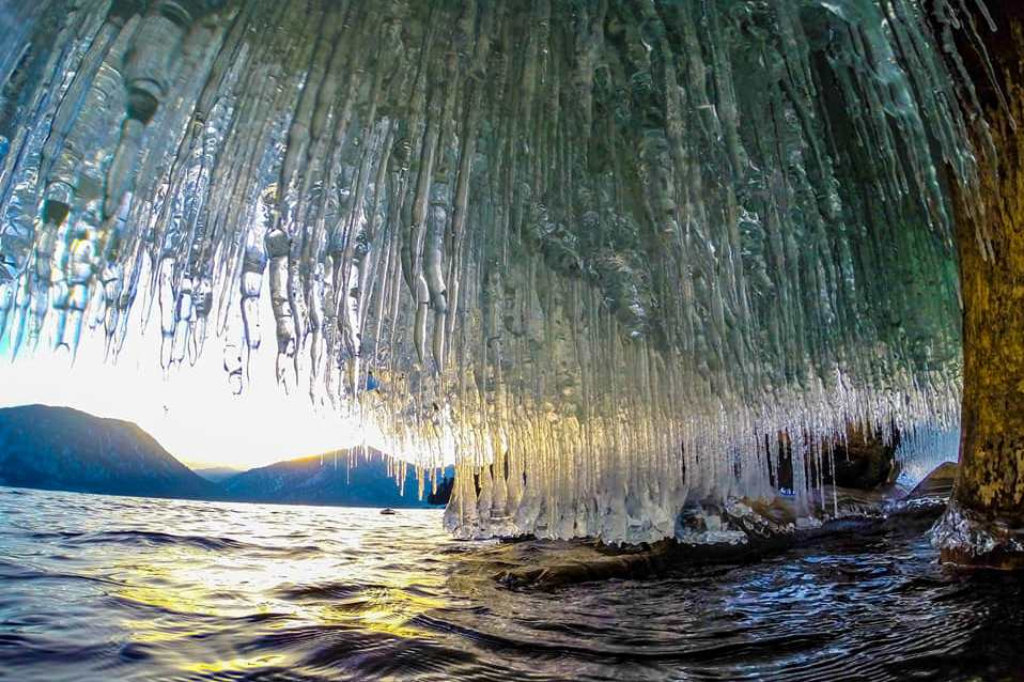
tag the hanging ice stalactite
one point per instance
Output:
(608, 256)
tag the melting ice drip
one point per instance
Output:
(607, 254)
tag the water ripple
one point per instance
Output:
(99, 588)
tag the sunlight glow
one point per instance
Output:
(191, 410)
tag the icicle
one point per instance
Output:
(609, 258)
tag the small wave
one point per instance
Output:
(10, 571)
(28, 652)
(302, 602)
(264, 617)
(157, 538)
(326, 591)
(297, 551)
(325, 651)
(11, 639)
(55, 535)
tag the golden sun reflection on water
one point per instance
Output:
(248, 570)
(96, 588)
(234, 664)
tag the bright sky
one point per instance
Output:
(192, 411)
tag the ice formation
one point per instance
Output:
(610, 255)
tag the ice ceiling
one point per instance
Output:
(615, 255)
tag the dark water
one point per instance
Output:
(105, 588)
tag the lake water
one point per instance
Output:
(109, 588)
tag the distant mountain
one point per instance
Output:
(58, 448)
(330, 480)
(217, 474)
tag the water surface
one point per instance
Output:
(117, 588)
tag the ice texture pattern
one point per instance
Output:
(609, 256)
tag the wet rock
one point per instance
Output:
(938, 484)
(707, 525)
(865, 461)
(634, 565)
(777, 510)
(738, 531)
(972, 540)
(927, 501)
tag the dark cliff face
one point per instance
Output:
(328, 479)
(59, 448)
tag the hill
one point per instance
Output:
(59, 448)
(216, 474)
(327, 479)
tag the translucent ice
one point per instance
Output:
(609, 256)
